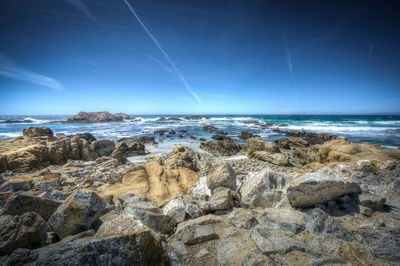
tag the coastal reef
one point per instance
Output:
(307, 199)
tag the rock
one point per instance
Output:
(135, 249)
(175, 209)
(203, 220)
(193, 210)
(200, 190)
(147, 140)
(32, 132)
(285, 219)
(86, 136)
(242, 219)
(372, 201)
(130, 196)
(384, 243)
(224, 147)
(17, 183)
(78, 212)
(123, 224)
(157, 222)
(246, 134)
(130, 147)
(182, 157)
(20, 204)
(102, 147)
(202, 252)
(145, 205)
(316, 188)
(94, 117)
(238, 253)
(181, 252)
(222, 176)
(270, 242)
(220, 200)
(264, 189)
(21, 231)
(196, 117)
(195, 234)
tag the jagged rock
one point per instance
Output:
(182, 157)
(102, 147)
(221, 200)
(200, 190)
(372, 201)
(203, 220)
(193, 210)
(78, 212)
(222, 176)
(270, 242)
(20, 204)
(130, 147)
(175, 209)
(130, 196)
(316, 188)
(125, 223)
(242, 219)
(86, 136)
(135, 249)
(285, 219)
(21, 231)
(32, 132)
(157, 222)
(147, 140)
(196, 117)
(246, 134)
(145, 205)
(180, 250)
(264, 189)
(224, 147)
(17, 183)
(94, 117)
(195, 234)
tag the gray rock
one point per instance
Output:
(203, 220)
(175, 209)
(157, 222)
(16, 184)
(384, 243)
(200, 190)
(32, 132)
(242, 219)
(264, 189)
(372, 201)
(256, 260)
(317, 188)
(270, 242)
(24, 231)
(222, 176)
(285, 219)
(20, 204)
(122, 224)
(180, 251)
(220, 200)
(102, 147)
(143, 205)
(130, 147)
(330, 260)
(193, 210)
(202, 252)
(195, 234)
(136, 249)
(78, 212)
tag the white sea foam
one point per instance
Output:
(10, 134)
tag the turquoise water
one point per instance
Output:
(383, 130)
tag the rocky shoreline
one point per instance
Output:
(307, 199)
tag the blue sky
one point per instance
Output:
(211, 56)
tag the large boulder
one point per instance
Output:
(19, 204)
(195, 234)
(21, 231)
(222, 176)
(264, 189)
(223, 147)
(130, 146)
(317, 188)
(126, 249)
(124, 223)
(93, 117)
(102, 147)
(175, 209)
(182, 157)
(78, 212)
(32, 132)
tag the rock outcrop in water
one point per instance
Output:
(295, 201)
(96, 117)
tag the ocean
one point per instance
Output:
(379, 129)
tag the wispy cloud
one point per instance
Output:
(288, 57)
(158, 62)
(10, 70)
(80, 4)
(157, 43)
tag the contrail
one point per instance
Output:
(288, 57)
(82, 7)
(175, 69)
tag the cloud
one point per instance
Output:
(288, 57)
(158, 62)
(157, 43)
(82, 7)
(10, 70)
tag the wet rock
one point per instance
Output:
(224, 147)
(20, 204)
(78, 212)
(264, 189)
(130, 147)
(102, 147)
(316, 188)
(195, 234)
(135, 249)
(32, 132)
(175, 209)
(21, 231)
(222, 176)
(157, 222)
(196, 117)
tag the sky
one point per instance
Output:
(199, 57)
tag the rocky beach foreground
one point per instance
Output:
(308, 199)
